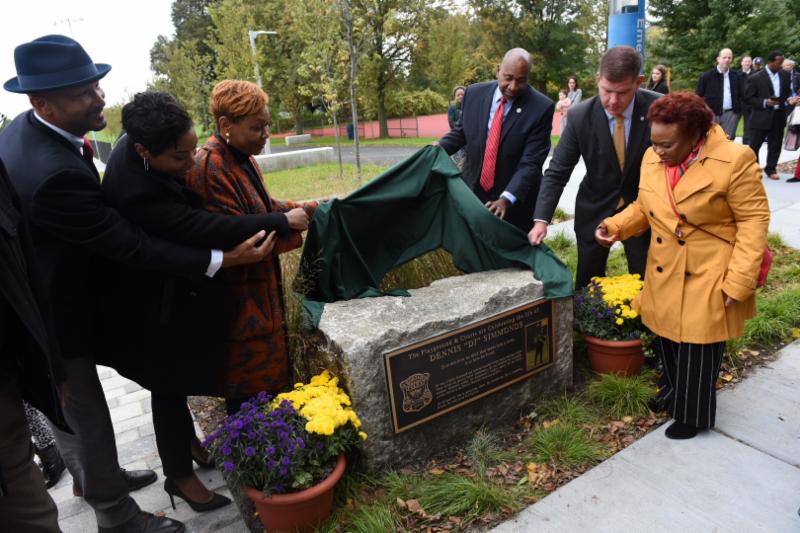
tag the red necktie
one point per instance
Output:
(88, 151)
(492, 144)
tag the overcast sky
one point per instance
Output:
(114, 32)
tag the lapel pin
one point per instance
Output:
(519, 110)
(641, 119)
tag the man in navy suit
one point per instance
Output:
(505, 152)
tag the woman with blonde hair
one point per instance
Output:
(228, 179)
(702, 198)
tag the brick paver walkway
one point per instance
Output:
(136, 446)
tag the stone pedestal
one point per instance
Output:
(353, 337)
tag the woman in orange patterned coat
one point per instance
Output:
(227, 176)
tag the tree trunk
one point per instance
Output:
(298, 121)
(382, 121)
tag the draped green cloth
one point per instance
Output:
(416, 206)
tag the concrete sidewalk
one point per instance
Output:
(743, 476)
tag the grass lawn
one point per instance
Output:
(319, 181)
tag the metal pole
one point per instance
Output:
(251, 35)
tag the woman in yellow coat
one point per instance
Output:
(699, 289)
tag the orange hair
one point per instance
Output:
(237, 99)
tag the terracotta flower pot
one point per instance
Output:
(624, 358)
(297, 511)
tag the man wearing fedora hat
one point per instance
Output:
(50, 164)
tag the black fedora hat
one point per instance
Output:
(52, 62)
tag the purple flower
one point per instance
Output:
(249, 451)
(271, 450)
(301, 443)
(282, 471)
(234, 434)
(285, 461)
(238, 423)
(228, 466)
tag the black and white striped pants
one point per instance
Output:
(687, 386)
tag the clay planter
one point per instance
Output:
(297, 511)
(624, 358)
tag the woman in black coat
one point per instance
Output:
(165, 332)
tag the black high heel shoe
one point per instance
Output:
(199, 507)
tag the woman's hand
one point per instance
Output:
(250, 251)
(602, 237)
(298, 219)
(728, 300)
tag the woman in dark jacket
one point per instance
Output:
(164, 332)
(454, 111)
(658, 80)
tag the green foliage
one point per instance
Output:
(451, 494)
(693, 31)
(564, 444)
(564, 36)
(372, 518)
(403, 103)
(567, 409)
(623, 396)
(485, 450)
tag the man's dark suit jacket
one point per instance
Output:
(759, 88)
(711, 86)
(177, 325)
(27, 340)
(588, 135)
(524, 146)
(71, 224)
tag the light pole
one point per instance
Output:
(252, 34)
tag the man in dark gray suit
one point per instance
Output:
(611, 133)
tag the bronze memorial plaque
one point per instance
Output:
(430, 378)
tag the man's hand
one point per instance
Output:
(603, 238)
(298, 219)
(771, 102)
(498, 207)
(435, 143)
(538, 233)
(794, 100)
(250, 251)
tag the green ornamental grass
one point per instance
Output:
(623, 396)
(566, 445)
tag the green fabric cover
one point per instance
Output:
(416, 206)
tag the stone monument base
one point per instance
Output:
(425, 372)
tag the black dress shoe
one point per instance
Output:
(680, 431)
(136, 479)
(146, 523)
(793, 180)
(217, 501)
(52, 465)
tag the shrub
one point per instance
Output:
(623, 396)
(565, 444)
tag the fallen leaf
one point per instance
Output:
(550, 423)
(627, 419)
(415, 507)
(727, 377)
(796, 333)
(436, 471)
(401, 503)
